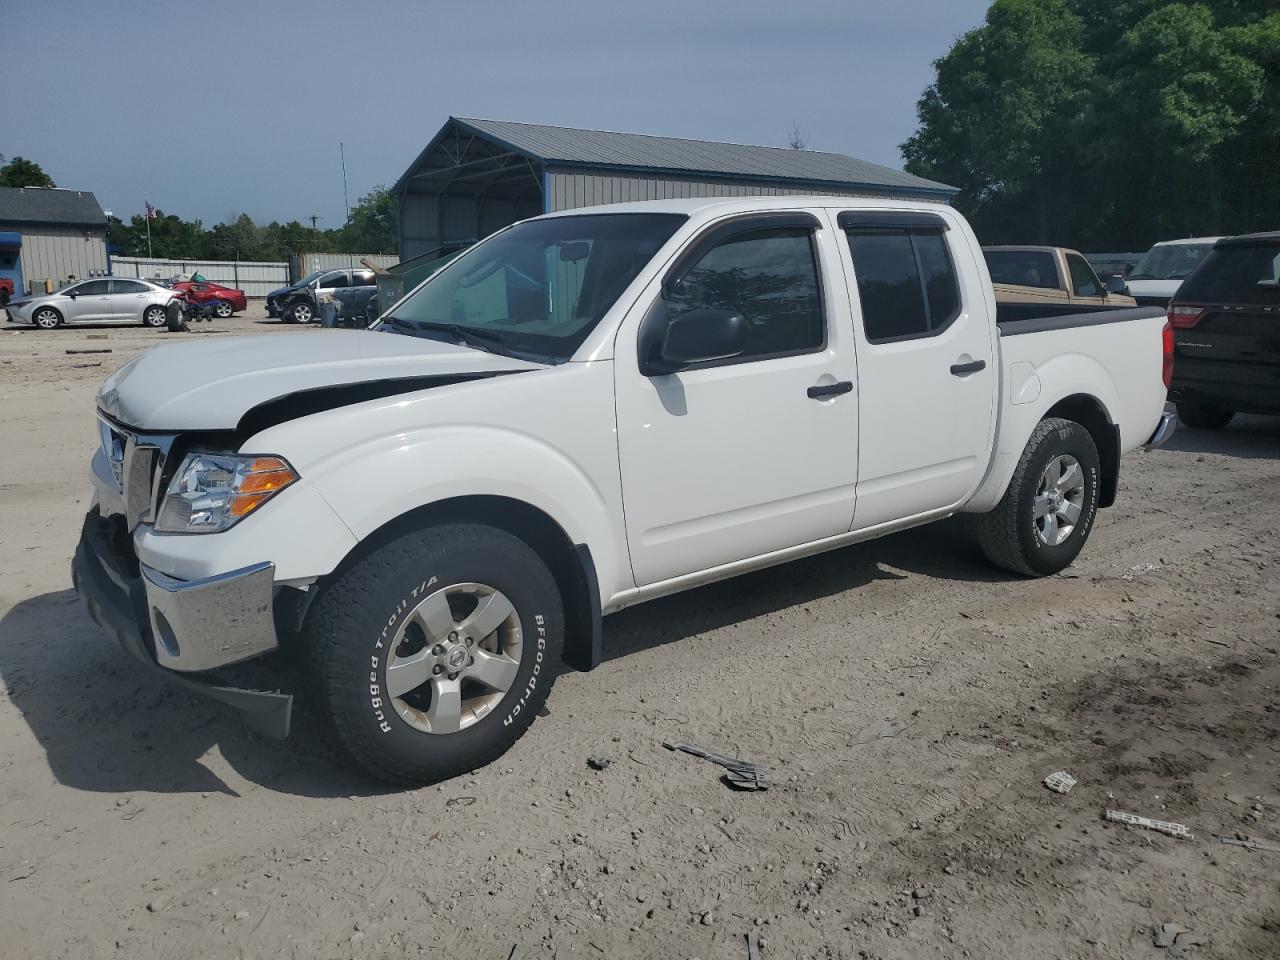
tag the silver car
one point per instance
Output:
(99, 300)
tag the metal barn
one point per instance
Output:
(50, 235)
(476, 176)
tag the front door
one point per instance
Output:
(1086, 289)
(92, 303)
(926, 358)
(735, 458)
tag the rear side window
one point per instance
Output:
(128, 286)
(1084, 283)
(1236, 273)
(770, 277)
(1023, 268)
(906, 282)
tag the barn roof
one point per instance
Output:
(601, 149)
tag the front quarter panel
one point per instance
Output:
(544, 437)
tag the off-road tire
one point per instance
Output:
(1007, 534)
(1203, 416)
(349, 628)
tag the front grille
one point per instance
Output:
(137, 464)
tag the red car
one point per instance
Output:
(226, 300)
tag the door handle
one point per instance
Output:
(973, 366)
(821, 391)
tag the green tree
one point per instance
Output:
(1108, 124)
(20, 172)
(1007, 97)
(372, 227)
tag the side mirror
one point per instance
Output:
(1116, 284)
(698, 337)
(72, 294)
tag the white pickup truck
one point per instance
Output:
(585, 411)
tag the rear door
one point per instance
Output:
(127, 299)
(926, 363)
(356, 297)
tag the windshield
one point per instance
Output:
(310, 278)
(538, 288)
(1170, 261)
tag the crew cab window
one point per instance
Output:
(90, 288)
(127, 286)
(769, 276)
(335, 281)
(363, 280)
(1083, 281)
(906, 282)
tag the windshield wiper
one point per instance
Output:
(457, 329)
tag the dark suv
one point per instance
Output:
(1226, 325)
(354, 290)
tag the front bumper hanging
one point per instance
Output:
(174, 625)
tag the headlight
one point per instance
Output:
(211, 492)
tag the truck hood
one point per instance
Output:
(211, 384)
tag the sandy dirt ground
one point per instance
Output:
(906, 699)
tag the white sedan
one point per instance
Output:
(99, 300)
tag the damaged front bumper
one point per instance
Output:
(185, 629)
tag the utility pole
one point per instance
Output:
(345, 205)
(342, 153)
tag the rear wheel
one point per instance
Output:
(1203, 416)
(223, 309)
(434, 653)
(46, 318)
(1044, 518)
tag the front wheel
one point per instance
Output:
(223, 309)
(1203, 416)
(434, 653)
(1044, 518)
(47, 318)
(301, 312)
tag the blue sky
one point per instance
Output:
(211, 109)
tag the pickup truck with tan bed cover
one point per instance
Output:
(419, 521)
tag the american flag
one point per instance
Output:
(151, 211)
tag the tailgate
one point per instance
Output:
(1243, 334)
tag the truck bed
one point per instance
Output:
(1017, 318)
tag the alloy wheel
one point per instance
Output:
(454, 658)
(1059, 500)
